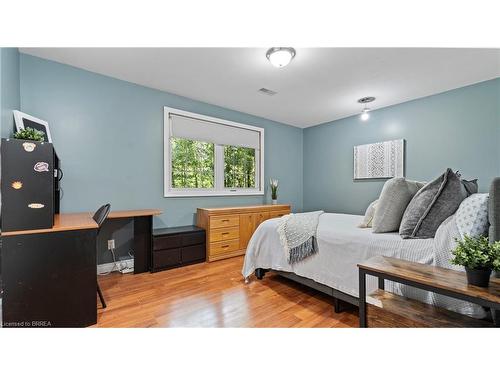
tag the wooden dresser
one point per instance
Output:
(229, 229)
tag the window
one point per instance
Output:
(209, 156)
(239, 167)
(192, 164)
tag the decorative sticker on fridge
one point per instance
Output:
(28, 146)
(17, 185)
(36, 205)
(41, 166)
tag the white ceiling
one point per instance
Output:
(320, 84)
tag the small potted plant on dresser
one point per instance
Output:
(273, 183)
(479, 257)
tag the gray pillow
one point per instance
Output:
(433, 204)
(470, 186)
(370, 212)
(395, 196)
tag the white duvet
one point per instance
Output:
(342, 245)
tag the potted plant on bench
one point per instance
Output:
(479, 257)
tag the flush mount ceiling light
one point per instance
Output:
(365, 115)
(280, 56)
(265, 91)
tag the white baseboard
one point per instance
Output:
(107, 267)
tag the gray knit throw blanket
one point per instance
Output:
(298, 235)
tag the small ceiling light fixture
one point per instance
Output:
(280, 56)
(263, 90)
(365, 115)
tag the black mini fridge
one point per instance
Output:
(28, 184)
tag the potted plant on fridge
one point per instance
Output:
(29, 134)
(273, 183)
(479, 257)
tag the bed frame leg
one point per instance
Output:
(336, 306)
(259, 273)
(340, 306)
(495, 314)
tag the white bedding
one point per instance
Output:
(342, 245)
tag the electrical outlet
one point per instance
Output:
(111, 244)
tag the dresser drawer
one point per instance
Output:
(224, 221)
(166, 258)
(274, 214)
(193, 253)
(217, 248)
(167, 242)
(224, 234)
(193, 238)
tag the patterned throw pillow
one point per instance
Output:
(472, 216)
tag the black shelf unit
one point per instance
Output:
(177, 247)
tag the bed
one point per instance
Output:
(342, 245)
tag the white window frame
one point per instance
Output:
(219, 189)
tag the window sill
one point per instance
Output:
(187, 194)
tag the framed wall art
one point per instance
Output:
(379, 160)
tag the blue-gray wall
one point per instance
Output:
(109, 135)
(9, 88)
(458, 129)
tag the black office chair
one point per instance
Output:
(99, 217)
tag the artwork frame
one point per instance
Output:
(380, 160)
(24, 120)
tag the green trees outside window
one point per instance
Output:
(239, 167)
(192, 164)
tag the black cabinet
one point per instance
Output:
(29, 184)
(178, 246)
(49, 279)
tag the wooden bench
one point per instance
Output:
(391, 310)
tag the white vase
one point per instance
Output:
(275, 201)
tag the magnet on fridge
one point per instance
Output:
(36, 205)
(41, 166)
(28, 146)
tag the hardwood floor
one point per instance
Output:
(214, 295)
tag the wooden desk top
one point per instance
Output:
(82, 220)
(134, 213)
(443, 278)
(62, 222)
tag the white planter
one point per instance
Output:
(275, 201)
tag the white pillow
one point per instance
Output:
(472, 216)
(370, 212)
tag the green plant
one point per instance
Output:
(273, 183)
(477, 253)
(30, 134)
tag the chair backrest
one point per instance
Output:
(101, 214)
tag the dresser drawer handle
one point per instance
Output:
(224, 246)
(225, 220)
(224, 233)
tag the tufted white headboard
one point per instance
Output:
(494, 210)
